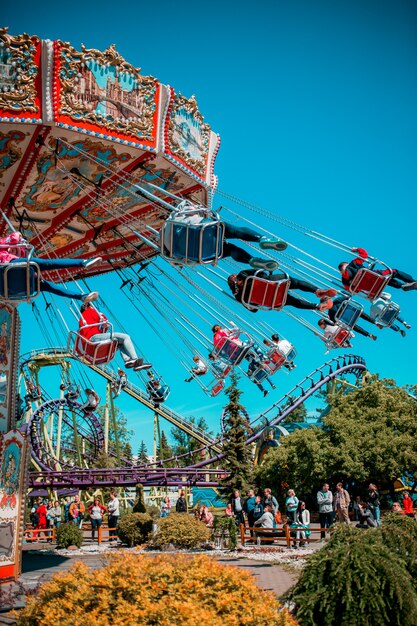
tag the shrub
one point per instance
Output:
(225, 530)
(69, 535)
(135, 528)
(355, 579)
(181, 530)
(399, 534)
(164, 590)
(153, 511)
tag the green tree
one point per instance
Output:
(183, 442)
(368, 434)
(127, 453)
(143, 454)
(238, 460)
(163, 450)
(124, 434)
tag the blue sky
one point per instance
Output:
(315, 103)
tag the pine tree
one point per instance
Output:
(143, 454)
(163, 450)
(183, 442)
(238, 460)
(127, 453)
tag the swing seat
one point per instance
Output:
(187, 243)
(348, 313)
(339, 339)
(19, 281)
(388, 315)
(261, 293)
(232, 350)
(94, 352)
(217, 387)
(160, 395)
(369, 283)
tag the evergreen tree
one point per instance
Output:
(186, 443)
(127, 453)
(163, 450)
(238, 460)
(143, 454)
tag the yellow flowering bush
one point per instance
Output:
(165, 590)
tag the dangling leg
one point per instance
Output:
(61, 264)
(57, 290)
(303, 304)
(247, 234)
(402, 280)
(242, 256)
(362, 331)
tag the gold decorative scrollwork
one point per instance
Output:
(183, 142)
(18, 72)
(125, 103)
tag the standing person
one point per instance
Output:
(237, 508)
(374, 503)
(66, 510)
(408, 505)
(356, 507)
(291, 505)
(258, 509)
(96, 511)
(325, 504)
(249, 507)
(341, 504)
(41, 512)
(181, 505)
(93, 327)
(165, 507)
(76, 511)
(302, 519)
(271, 500)
(33, 514)
(113, 509)
(49, 516)
(56, 514)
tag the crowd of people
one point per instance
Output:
(46, 515)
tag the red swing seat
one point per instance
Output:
(94, 352)
(369, 283)
(262, 293)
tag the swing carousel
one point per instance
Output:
(104, 164)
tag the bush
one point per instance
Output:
(68, 535)
(181, 530)
(153, 511)
(135, 528)
(355, 579)
(225, 530)
(399, 534)
(164, 590)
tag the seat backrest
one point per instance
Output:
(217, 388)
(370, 283)
(348, 313)
(389, 314)
(263, 293)
(95, 353)
(193, 243)
(19, 282)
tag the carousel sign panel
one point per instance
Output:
(9, 353)
(13, 468)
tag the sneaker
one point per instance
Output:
(373, 337)
(90, 297)
(265, 393)
(325, 304)
(272, 244)
(326, 292)
(409, 286)
(403, 333)
(263, 264)
(140, 365)
(130, 363)
(408, 326)
(93, 261)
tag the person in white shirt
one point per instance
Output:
(283, 346)
(302, 520)
(199, 368)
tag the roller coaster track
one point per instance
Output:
(49, 355)
(199, 474)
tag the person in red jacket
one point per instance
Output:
(398, 279)
(93, 326)
(41, 525)
(408, 505)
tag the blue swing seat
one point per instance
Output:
(348, 313)
(185, 243)
(19, 282)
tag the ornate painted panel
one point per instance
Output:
(13, 471)
(9, 354)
